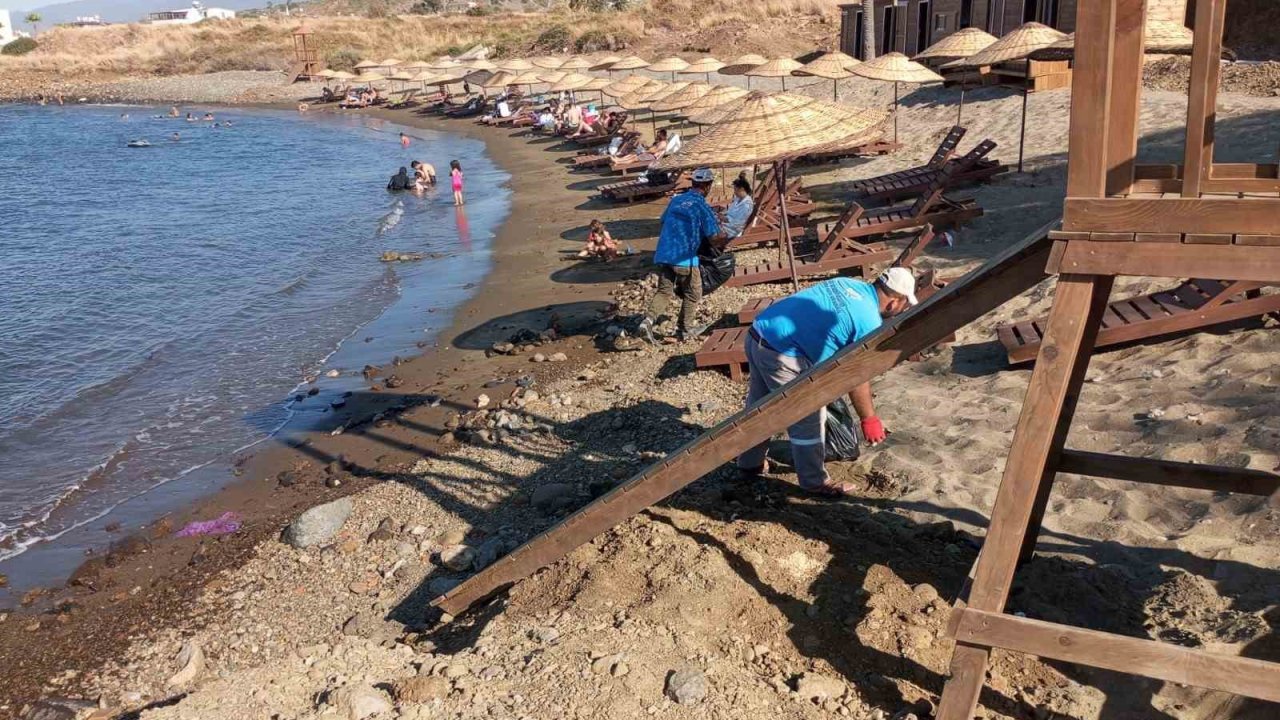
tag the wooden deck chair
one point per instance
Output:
(1192, 305)
(830, 254)
(640, 189)
(931, 208)
(872, 148)
(588, 160)
(914, 181)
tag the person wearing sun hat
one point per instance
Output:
(806, 329)
(686, 223)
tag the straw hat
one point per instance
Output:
(832, 66)
(778, 67)
(773, 127)
(702, 66)
(670, 64)
(896, 67)
(366, 64)
(718, 96)
(959, 44)
(515, 65)
(547, 62)
(502, 78)
(741, 64)
(576, 63)
(570, 81)
(631, 62)
(604, 63)
(1017, 45)
(682, 98)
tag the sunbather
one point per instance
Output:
(651, 153)
(734, 218)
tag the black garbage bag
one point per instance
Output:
(843, 431)
(716, 267)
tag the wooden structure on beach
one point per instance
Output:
(1202, 222)
(306, 56)
(1120, 218)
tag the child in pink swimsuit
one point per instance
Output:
(455, 173)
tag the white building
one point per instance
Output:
(6, 28)
(189, 16)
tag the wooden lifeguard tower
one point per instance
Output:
(306, 57)
(1120, 218)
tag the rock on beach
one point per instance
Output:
(318, 525)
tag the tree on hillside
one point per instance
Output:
(33, 19)
(868, 29)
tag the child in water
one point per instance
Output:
(455, 173)
(404, 140)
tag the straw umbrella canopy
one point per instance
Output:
(1160, 36)
(605, 63)
(671, 64)
(774, 129)
(630, 62)
(833, 66)
(702, 66)
(515, 65)
(575, 63)
(371, 78)
(596, 83)
(713, 115)
(366, 65)
(551, 78)
(570, 81)
(627, 85)
(325, 73)
(547, 62)
(896, 68)
(959, 44)
(718, 96)
(481, 64)
(342, 75)
(528, 77)
(777, 68)
(1017, 45)
(416, 65)
(682, 98)
(390, 63)
(741, 64)
(500, 79)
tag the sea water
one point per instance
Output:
(161, 306)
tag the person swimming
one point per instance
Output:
(175, 137)
(208, 116)
(173, 111)
(139, 143)
(191, 118)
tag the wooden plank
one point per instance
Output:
(1158, 237)
(1250, 216)
(1091, 100)
(1206, 54)
(1258, 240)
(1229, 262)
(1243, 185)
(1207, 239)
(1162, 661)
(1169, 472)
(1126, 96)
(1111, 237)
(960, 303)
(1150, 309)
(1221, 171)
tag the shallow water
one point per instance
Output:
(159, 306)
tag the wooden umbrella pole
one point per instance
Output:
(960, 112)
(895, 112)
(835, 97)
(780, 174)
(1022, 137)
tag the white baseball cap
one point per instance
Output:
(901, 281)
(703, 174)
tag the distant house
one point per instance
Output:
(909, 26)
(87, 21)
(189, 16)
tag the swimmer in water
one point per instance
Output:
(175, 137)
(208, 116)
(173, 111)
(124, 116)
(404, 140)
(191, 118)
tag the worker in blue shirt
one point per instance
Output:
(806, 329)
(686, 223)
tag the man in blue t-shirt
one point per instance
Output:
(686, 223)
(806, 329)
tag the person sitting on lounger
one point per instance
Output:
(734, 218)
(599, 242)
(806, 329)
(651, 153)
(547, 120)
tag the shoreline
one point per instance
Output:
(277, 479)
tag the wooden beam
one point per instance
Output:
(1029, 457)
(1245, 216)
(1258, 263)
(1162, 661)
(1091, 98)
(1206, 63)
(1126, 95)
(1221, 171)
(957, 305)
(1169, 472)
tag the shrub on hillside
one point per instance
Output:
(480, 11)
(426, 7)
(342, 59)
(598, 40)
(20, 46)
(554, 39)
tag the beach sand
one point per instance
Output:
(790, 607)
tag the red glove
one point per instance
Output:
(873, 429)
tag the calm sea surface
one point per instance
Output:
(160, 306)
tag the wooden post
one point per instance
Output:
(1022, 134)
(784, 238)
(1091, 98)
(960, 111)
(1126, 101)
(1206, 63)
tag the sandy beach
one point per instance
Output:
(787, 606)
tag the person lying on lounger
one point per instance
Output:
(651, 153)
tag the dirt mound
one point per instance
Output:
(1173, 72)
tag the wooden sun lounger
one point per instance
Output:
(931, 208)
(727, 347)
(633, 190)
(629, 166)
(587, 160)
(1192, 305)
(867, 149)
(821, 261)
(913, 182)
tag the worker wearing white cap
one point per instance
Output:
(806, 329)
(687, 223)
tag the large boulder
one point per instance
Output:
(318, 525)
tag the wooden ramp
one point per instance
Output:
(1193, 305)
(962, 302)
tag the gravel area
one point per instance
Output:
(223, 88)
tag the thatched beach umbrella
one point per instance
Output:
(570, 81)
(834, 66)
(718, 96)
(481, 64)
(743, 63)
(604, 63)
(515, 65)
(776, 68)
(702, 66)
(681, 98)
(390, 63)
(774, 129)
(1017, 45)
(547, 62)
(630, 62)
(627, 85)
(342, 75)
(415, 66)
(1160, 36)
(528, 78)
(575, 63)
(553, 77)
(366, 65)
(896, 68)
(500, 79)
(671, 64)
(957, 46)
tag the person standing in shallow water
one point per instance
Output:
(404, 140)
(455, 173)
